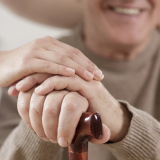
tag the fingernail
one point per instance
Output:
(88, 74)
(62, 142)
(98, 74)
(53, 141)
(19, 83)
(70, 70)
(38, 89)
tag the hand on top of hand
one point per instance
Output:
(114, 116)
(45, 55)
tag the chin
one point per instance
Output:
(129, 38)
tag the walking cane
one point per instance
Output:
(90, 126)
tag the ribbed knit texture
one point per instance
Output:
(143, 139)
(23, 144)
(136, 83)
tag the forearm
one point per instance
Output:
(62, 13)
(142, 141)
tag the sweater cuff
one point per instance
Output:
(142, 140)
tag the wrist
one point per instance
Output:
(121, 123)
(3, 56)
(3, 69)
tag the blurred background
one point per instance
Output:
(16, 31)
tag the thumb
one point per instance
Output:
(105, 137)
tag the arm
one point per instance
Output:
(134, 133)
(61, 13)
(142, 141)
(44, 55)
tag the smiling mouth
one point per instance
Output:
(126, 11)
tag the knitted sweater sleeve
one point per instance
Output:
(141, 143)
(24, 144)
(143, 139)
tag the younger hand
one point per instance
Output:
(45, 55)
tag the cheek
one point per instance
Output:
(93, 5)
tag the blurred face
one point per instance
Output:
(126, 22)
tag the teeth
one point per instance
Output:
(127, 11)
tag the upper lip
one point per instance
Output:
(141, 7)
(124, 6)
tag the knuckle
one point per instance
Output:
(48, 82)
(76, 51)
(35, 109)
(35, 45)
(47, 65)
(50, 111)
(78, 97)
(71, 55)
(37, 42)
(70, 106)
(49, 38)
(61, 58)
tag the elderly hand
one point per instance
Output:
(113, 114)
(55, 117)
(45, 55)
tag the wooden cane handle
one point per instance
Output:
(90, 126)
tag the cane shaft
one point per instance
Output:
(90, 126)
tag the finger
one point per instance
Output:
(12, 91)
(23, 106)
(105, 138)
(57, 83)
(30, 81)
(42, 66)
(73, 106)
(74, 83)
(51, 112)
(59, 55)
(35, 113)
(80, 66)
(69, 48)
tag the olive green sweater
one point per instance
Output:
(134, 83)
